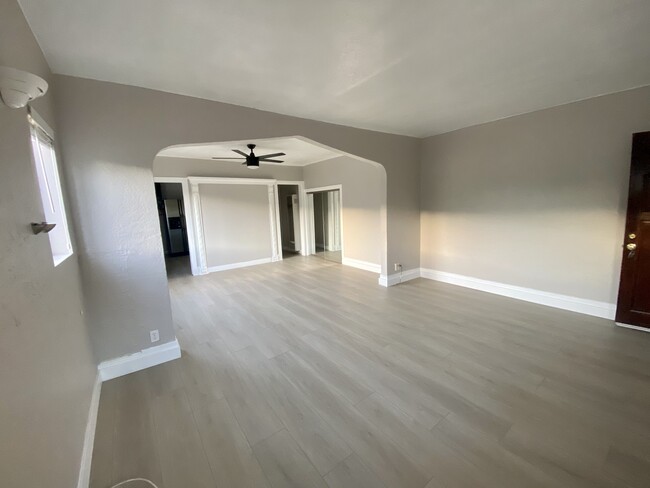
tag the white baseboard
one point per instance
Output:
(365, 265)
(581, 305)
(144, 359)
(396, 279)
(244, 264)
(634, 327)
(89, 436)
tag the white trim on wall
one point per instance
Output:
(189, 219)
(397, 278)
(274, 219)
(581, 305)
(243, 264)
(311, 231)
(144, 359)
(83, 481)
(365, 265)
(201, 260)
(218, 180)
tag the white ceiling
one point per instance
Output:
(299, 152)
(416, 67)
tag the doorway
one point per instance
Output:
(634, 292)
(326, 223)
(173, 226)
(290, 227)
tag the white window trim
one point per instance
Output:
(43, 132)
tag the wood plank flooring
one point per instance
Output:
(305, 373)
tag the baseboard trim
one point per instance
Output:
(89, 436)
(633, 327)
(243, 264)
(365, 265)
(581, 305)
(144, 359)
(396, 279)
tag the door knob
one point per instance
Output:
(631, 246)
(632, 236)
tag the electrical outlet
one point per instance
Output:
(155, 335)
(398, 267)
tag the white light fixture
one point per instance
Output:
(18, 87)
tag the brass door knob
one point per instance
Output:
(631, 246)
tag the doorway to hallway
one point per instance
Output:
(326, 222)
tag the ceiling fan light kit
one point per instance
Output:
(252, 161)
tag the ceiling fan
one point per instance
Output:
(252, 161)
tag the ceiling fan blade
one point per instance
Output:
(273, 155)
(240, 152)
(228, 158)
(271, 161)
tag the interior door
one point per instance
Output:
(634, 291)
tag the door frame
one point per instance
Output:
(302, 211)
(311, 237)
(189, 217)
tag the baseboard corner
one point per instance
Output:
(144, 359)
(397, 278)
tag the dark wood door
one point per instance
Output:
(634, 292)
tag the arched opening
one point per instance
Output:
(228, 216)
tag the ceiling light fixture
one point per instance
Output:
(18, 88)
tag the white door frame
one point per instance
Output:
(189, 217)
(311, 236)
(274, 214)
(302, 208)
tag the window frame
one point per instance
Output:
(50, 189)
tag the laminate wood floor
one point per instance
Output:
(306, 373)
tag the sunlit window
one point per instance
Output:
(49, 184)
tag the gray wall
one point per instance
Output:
(46, 366)
(111, 135)
(537, 200)
(224, 208)
(364, 197)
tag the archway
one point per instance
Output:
(310, 165)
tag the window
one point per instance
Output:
(50, 188)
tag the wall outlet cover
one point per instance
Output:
(155, 335)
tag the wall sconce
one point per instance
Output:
(17, 87)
